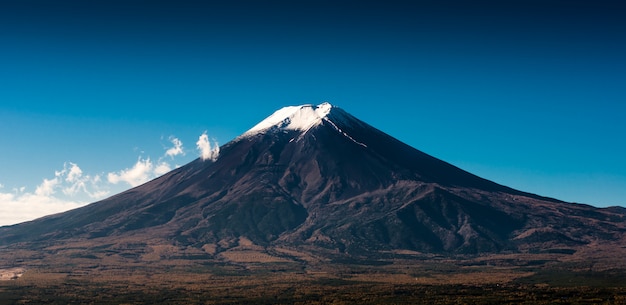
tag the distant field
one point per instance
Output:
(278, 283)
(321, 291)
(137, 272)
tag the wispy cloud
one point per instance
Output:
(72, 187)
(23, 207)
(145, 170)
(68, 189)
(177, 149)
(74, 173)
(162, 168)
(208, 151)
(75, 182)
(136, 175)
(47, 187)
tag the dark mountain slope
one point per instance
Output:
(316, 177)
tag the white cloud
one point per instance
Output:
(46, 188)
(74, 174)
(74, 179)
(177, 149)
(162, 168)
(206, 151)
(141, 172)
(71, 181)
(145, 170)
(77, 190)
(71, 187)
(19, 208)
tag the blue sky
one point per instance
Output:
(530, 94)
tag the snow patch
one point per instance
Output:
(304, 117)
(301, 118)
(344, 133)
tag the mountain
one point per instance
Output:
(316, 179)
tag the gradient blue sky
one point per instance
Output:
(530, 94)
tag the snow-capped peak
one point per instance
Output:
(300, 118)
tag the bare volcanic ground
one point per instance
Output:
(11, 274)
(148, 273)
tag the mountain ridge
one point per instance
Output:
(317, 178)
